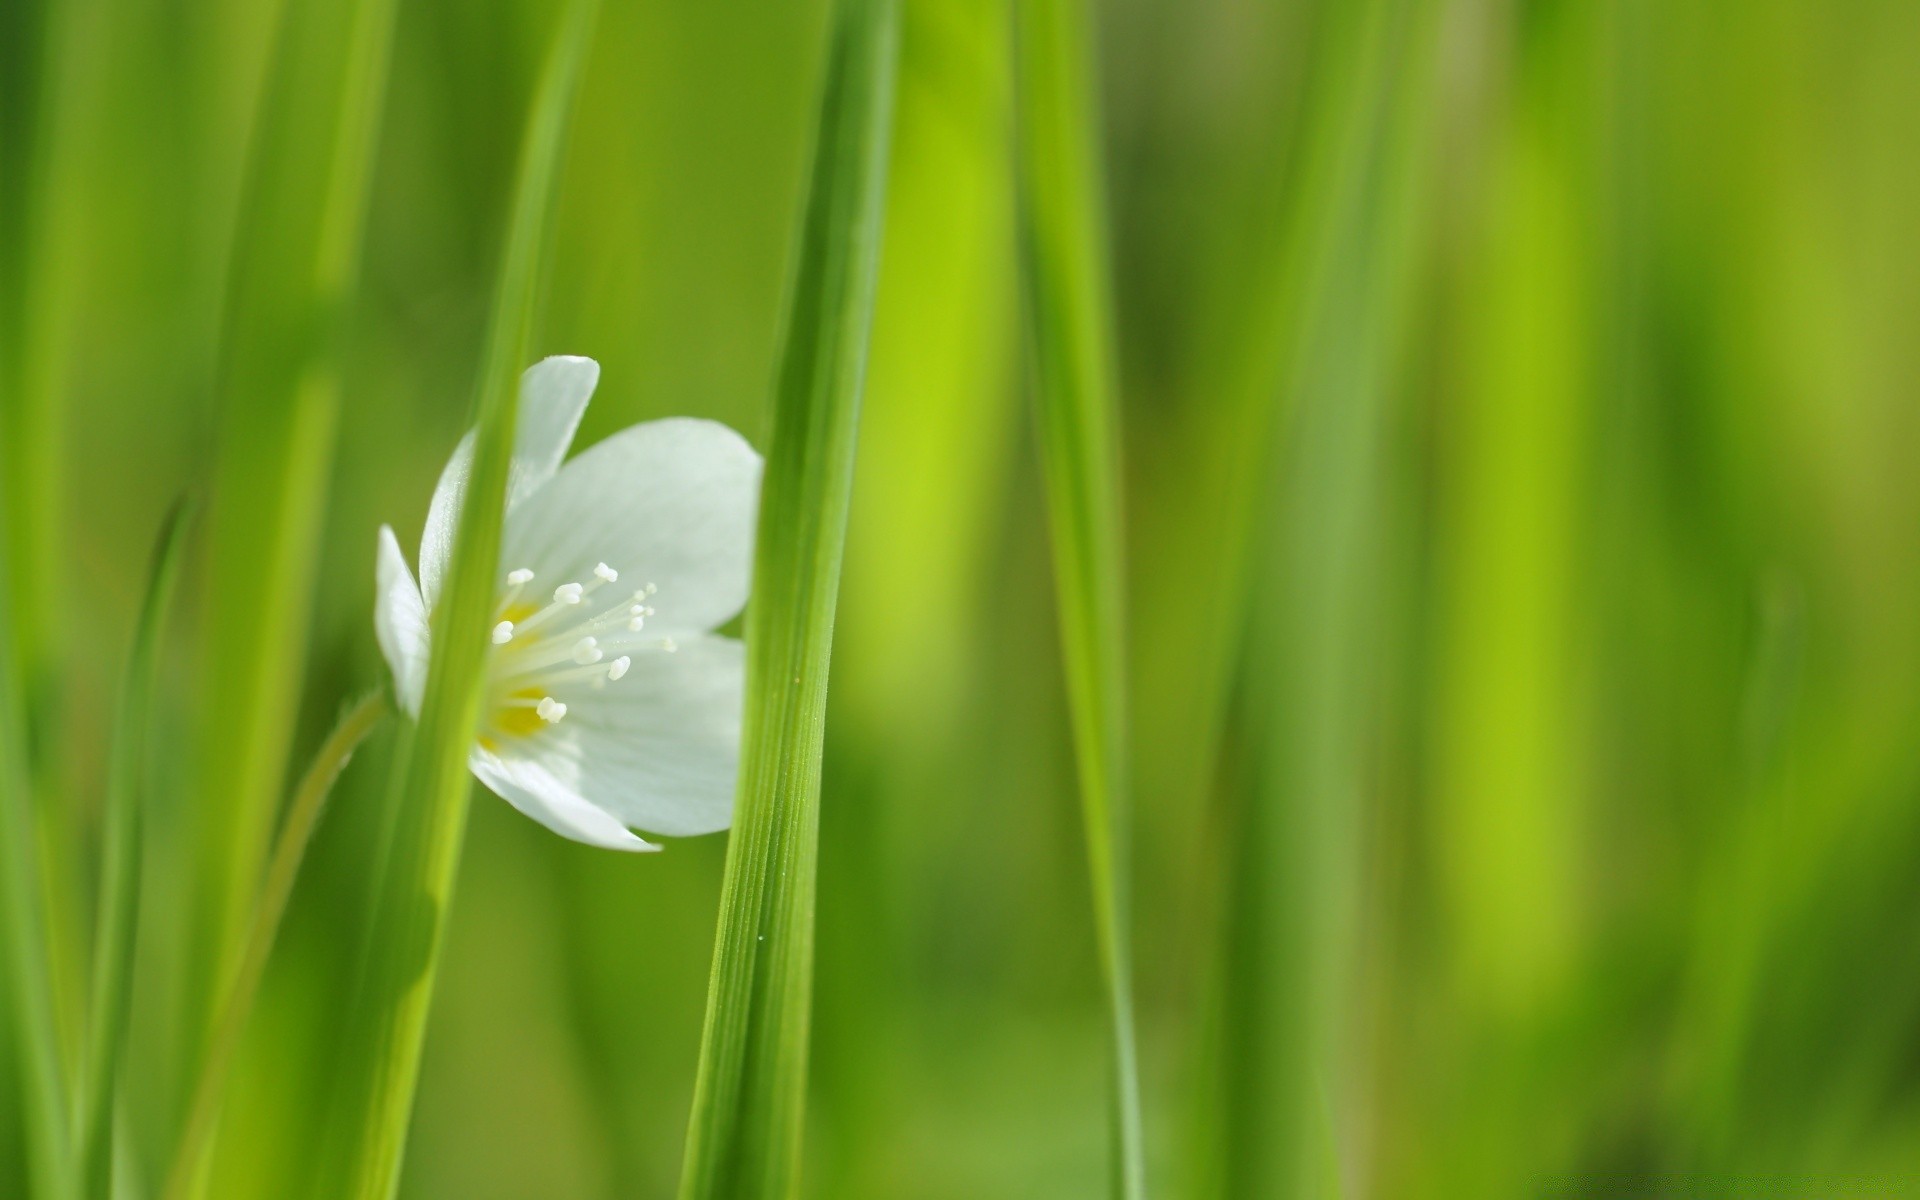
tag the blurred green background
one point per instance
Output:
(1621, 568)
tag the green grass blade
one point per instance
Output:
(289, 851)
(749, 1098)
(295, 259)
(1315, 626)
(33, 421)
(117, 920)
(1063, 243)
(29, 974)
(431, 784)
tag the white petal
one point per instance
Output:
(553, 395)
(672, 503)
(528, 785)
(659, 749)
(400, 622)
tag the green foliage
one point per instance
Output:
(122, 844)
(744, 1137)
(1514, 540)
(297, 244)
(1063, 244)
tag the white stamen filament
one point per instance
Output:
(566, 643)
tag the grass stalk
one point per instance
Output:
(744, 1136)
(295, 261)
(33, 424)
(1315, 622)
(430, 782)
(289, 851)
(1069, 308)
(117, 918)
(29, 973)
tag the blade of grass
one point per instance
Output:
(1314, 628)
(29, 974)
(295, 260)
(381, 1062)
(744, 1136)
(117, 919)
(51, 257)
(289, 850)
(35, 404)
(1069, 310)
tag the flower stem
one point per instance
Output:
(303, 816)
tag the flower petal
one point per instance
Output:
(669, 502)
(553, 395)
(528, 785)
(400, 622)
(659, 749)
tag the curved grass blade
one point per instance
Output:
(117, 921)
(381, 1057)
(283, 869)
(29, 974)
(744, 1137)
(1068, 292)
(295, 261)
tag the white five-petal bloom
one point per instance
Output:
(610, 703)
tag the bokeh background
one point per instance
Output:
(1627, 652)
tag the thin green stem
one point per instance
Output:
(119, 908)
(289, 851)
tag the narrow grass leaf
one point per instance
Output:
(52, 260)
(117, 919)
(283, 868)
(749, 1097)
(428, 802)
(295, 259)
(1314, 629)
(1069, 307)
(29, 975)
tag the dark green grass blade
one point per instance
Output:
(117, 921)
(744, 1136)
(1063, 243)
(381, 1058)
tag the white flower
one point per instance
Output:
(609, 702)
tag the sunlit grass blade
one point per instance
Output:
(283, 868)
(1315, 628)
(51, 258)
(29, 975)
(295, 260)
(380, 1062)
(50, 261)
(744, 1137)
(1069, 307)
(116, 922)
